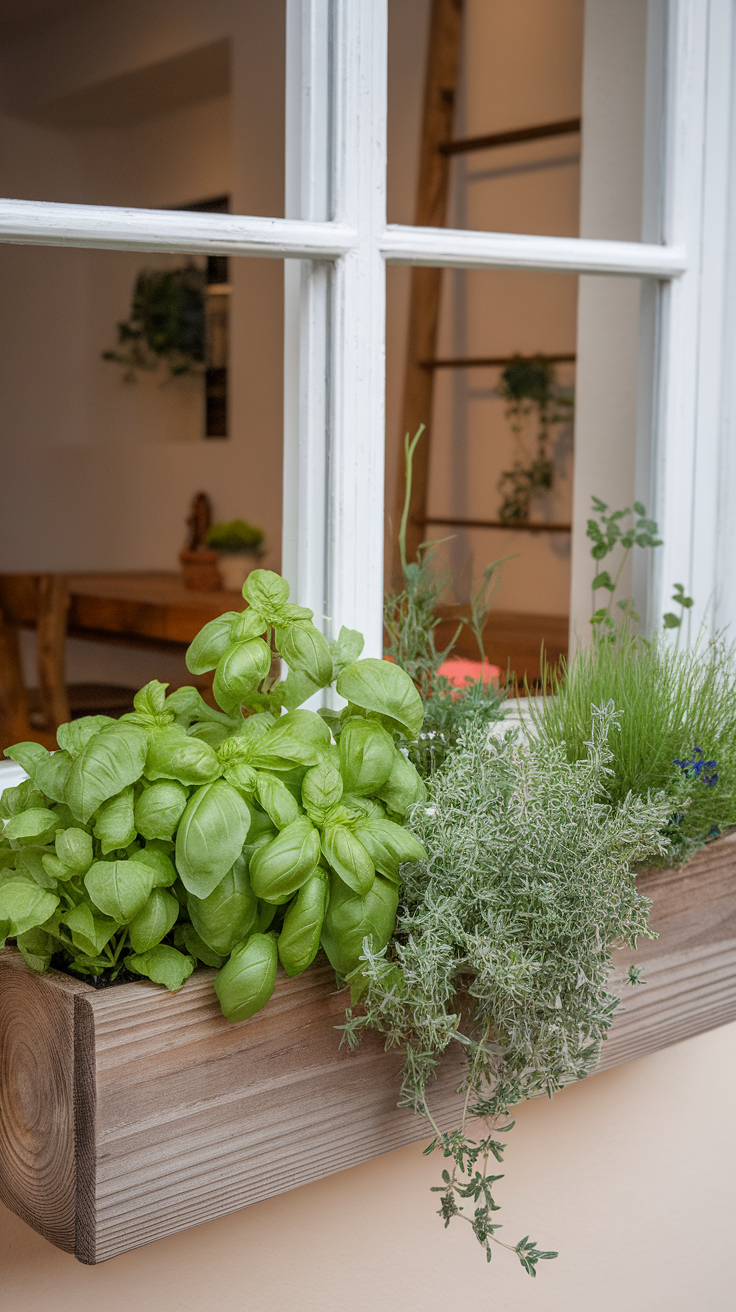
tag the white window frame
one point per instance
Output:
(336, 243)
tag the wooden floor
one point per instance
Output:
(512, 640)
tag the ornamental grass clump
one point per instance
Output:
(677, 727)
(503, 942)
(236, 838)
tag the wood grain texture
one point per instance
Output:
(53, 604)
(690, 970)
(131, 1113)
(15, 724)
(37, 1106)
(151, 607)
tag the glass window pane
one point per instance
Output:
(102, 458)
(143, 107)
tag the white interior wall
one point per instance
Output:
(99, 474)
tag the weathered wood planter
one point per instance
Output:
(129, 1113)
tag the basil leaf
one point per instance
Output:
(153, 921)
(300, 934)
(212, 734)
(210, 644)
(27, 755)
(241, 776)
(228, 914)
(276, 800)
(151, 699)
(304, 648)
(350, 919)
(347, 856)
(366, 756)
(38, 947)
(299, 738)
(33, 826)
(163, 965)
(52, 871)
(115, 824)
(160, 808)
(74, 736)
(89, 933)
(187, 937)
(164, 873)
(279, 868)
(266, 591)
(321, 789)
(249, 624)
(246, 981)
(111, 760)
(21, 798)
(119, 888)
(403, 787)
(32, 861)
(389, 845)
(188, 704)
(239, 673)
(24, 904)
(210, 836)
(384, 688)
(345, 649)
(174, 754)
(297, 688)
(74, 848)
(51, 775)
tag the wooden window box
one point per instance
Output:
(129, 1113)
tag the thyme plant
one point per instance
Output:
(503, 943)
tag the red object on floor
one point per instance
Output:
(458, 669)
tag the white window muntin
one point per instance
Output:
(335, 300)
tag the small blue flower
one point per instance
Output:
(698, 768)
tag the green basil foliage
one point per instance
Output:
(182, 835)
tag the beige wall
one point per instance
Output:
(608, 308)
(630, 1175)
(521, 65)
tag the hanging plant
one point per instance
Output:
(529, 386)
(166, 324)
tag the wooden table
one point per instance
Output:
(142, 609)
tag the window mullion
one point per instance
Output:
(690, 355)
(306, 306)
(357, 342)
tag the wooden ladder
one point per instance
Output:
(437, 150)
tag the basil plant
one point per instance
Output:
(237, 838)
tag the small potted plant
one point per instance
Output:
(238, 545)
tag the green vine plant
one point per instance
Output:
(608, 533)
(166, 325)
(410, 621)
(530, 388)
(503, 942)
